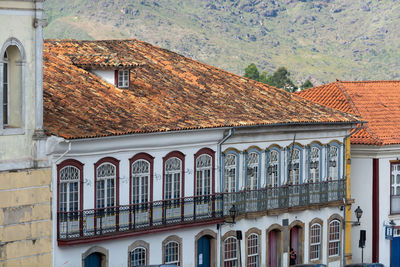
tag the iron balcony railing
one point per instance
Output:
(91, 223)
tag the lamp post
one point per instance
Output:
(232, 213)
(359, 213)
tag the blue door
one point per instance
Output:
(93, 260)
(394, 252)
(203, 252)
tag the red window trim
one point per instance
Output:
(211, 153)
(148, 158)
(180, 156)
(79, 165)
(115, 162)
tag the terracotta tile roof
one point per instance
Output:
(167, 92)
(377, 102)
(103, 61)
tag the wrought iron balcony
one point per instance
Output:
(125, 220)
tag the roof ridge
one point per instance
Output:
(371, 81)
(373, 135)
(346, 95)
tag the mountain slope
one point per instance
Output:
(321, 40)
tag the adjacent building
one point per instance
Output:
(157, 151)
(25, 174)
(375, 162)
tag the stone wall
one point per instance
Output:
(25, 218)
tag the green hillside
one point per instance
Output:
(321, 40)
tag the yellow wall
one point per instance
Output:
(348, 208)
(25, 218)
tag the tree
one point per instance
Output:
(306, 84)
(251, 72)
(280, 78)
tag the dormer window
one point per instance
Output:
(123, 79)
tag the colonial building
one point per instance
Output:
(25, 175)
(375, 165)
(164, 159)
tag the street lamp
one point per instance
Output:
(358, 213)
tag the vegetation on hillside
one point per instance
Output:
(280, 78)
(317, 40)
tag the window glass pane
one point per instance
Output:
(230, 173)
(105, 187)
(69, 188)
(140, 181)
(230, 252)
(172, 253)
(203, 174)
(173, 169)
(253, 251)
(252, 171)
(138, 257)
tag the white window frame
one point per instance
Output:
(173, 176)
(273, 163)
(230, 172)
(203, 175)
(142, 254)
(232, 261)
(174, 258)
(395, 188)
(67, 206)
(252, 172)
(123, 78)
(334, 238)
(140, 181)
(106, 200)
(333, 163)
(315, 241)
(255, 238)
(314, 165)
(294, 166)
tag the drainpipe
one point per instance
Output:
(219, 157)
(344, 199)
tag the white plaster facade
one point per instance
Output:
(158, 145)
(362, 191)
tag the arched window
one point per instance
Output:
(140, 181)
(294, 166)
(172, 253)
(138, 257)
(203, 174)
(252, 171)
(253, 250)
(69, 189)
(230, 252)
(5, 89)
(334, 238)
(106, 185)
(173, 174)
(70, 198)
(172, 250)
(315, 241)
(230, 172)
(12, 56)
(333, 163)
(273, 168)
(314, 165)
(138, 253)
